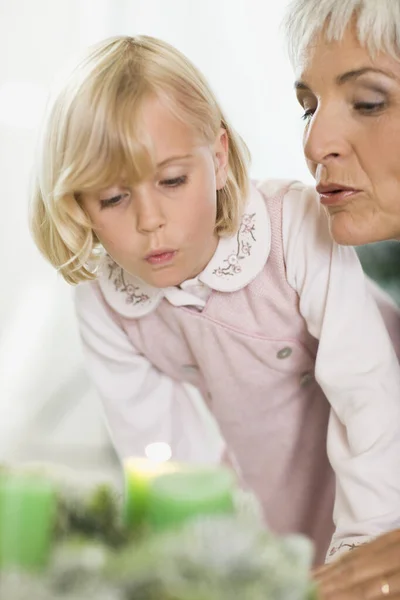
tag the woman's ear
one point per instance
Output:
(221, 153)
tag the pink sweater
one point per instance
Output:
(251, 355)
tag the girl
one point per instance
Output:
(195, 275)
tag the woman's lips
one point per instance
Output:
(335, 194)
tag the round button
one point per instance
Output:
(306, 378)
(284, 353)
(188, 369)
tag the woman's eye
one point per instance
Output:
(306, 116)
(369, 107)
(114, 201)
(174, 182)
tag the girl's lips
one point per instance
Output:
(161, 257)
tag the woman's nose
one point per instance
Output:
(325, 138)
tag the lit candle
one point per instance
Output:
(27, 517)
(177, 497)
(139, 473)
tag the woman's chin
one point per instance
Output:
(347, 230)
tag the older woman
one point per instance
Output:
(346, 55)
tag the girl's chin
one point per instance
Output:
(163, 279)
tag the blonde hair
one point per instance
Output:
(90, 138)
(377, 24)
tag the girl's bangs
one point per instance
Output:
(108, 148)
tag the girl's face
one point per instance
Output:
(163, 229)
(351, 105)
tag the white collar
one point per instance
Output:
(236, 262)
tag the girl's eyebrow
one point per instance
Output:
(173, 159)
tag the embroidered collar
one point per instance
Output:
(236, 262)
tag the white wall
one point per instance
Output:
(238, 45)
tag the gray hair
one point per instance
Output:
(377, 24)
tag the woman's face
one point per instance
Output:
(351, 108)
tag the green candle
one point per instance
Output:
(139, 472)
(27, 515)
(177, 497)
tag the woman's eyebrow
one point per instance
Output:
(355, 74)
(348, 76)
(300, 85)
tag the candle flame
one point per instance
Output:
(159, 452)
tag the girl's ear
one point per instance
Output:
(221, 153)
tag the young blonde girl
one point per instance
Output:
(189, 273)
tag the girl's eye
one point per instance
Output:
(114, 201)
(369, 108)
(174, 182)
(306, 116)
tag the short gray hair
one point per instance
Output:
(377, 24)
